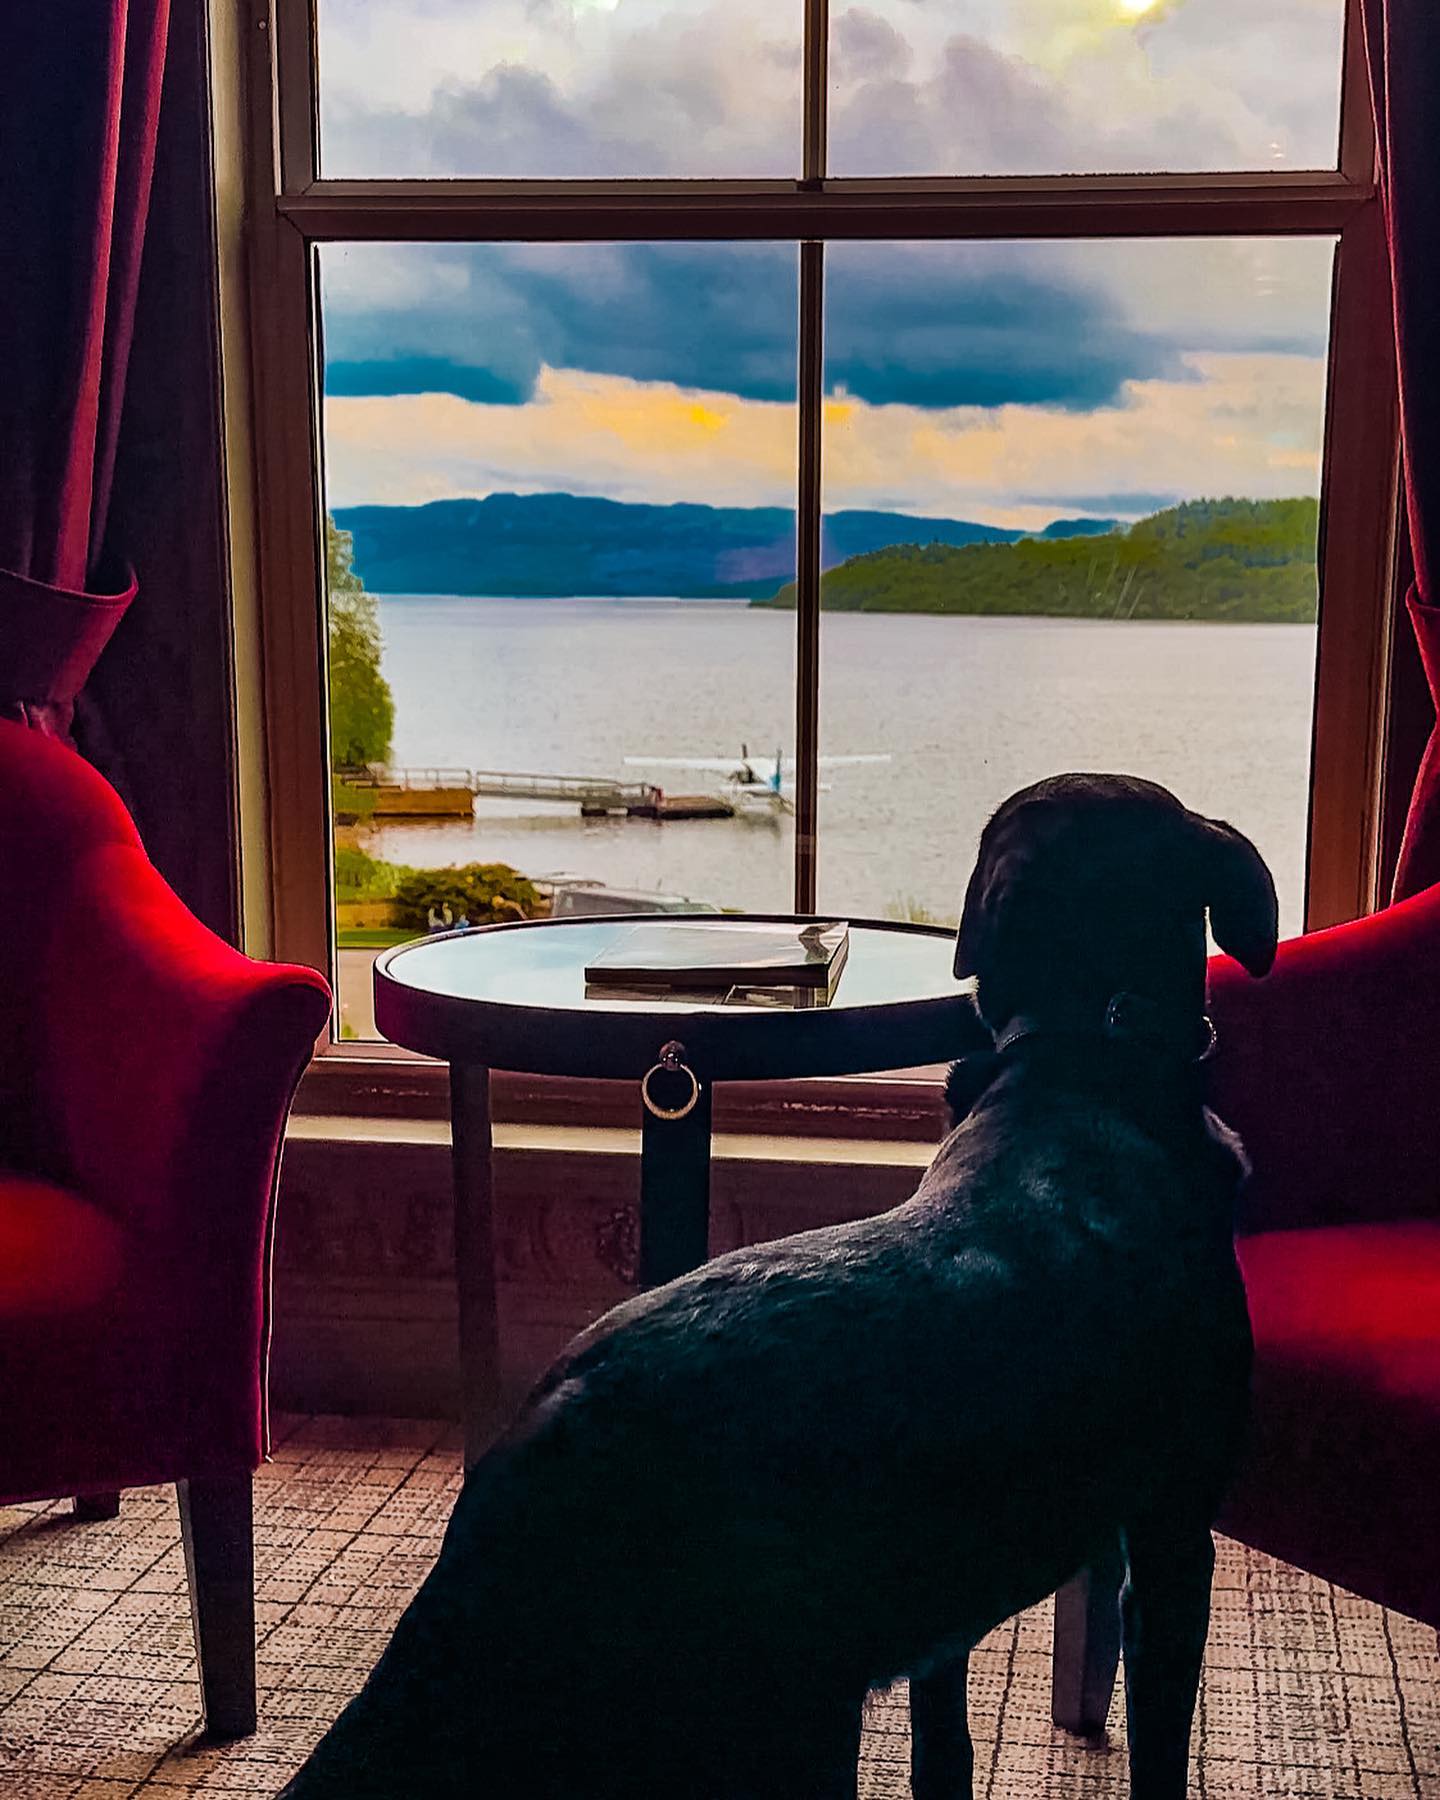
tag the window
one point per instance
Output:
(590, 334)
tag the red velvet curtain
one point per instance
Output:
(80, 88)
(1403, 47)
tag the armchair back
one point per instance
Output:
(1329, 1069)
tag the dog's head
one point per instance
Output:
(1092, 885)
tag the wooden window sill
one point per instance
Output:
(907, 1105)
(597, 1140)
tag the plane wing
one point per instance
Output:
(719, 765)
(764, 766)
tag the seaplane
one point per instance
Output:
(754, 785)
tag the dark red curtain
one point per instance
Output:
(80, 84)
(1403, 47)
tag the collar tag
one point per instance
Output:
(1136, 1017)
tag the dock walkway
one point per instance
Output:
(451, 793)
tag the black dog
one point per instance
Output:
(740, 1501)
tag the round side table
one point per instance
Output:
(514, 997)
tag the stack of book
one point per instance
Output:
(744, 963)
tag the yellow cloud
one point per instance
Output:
(1240, 424)
(707, 418)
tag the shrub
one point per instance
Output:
(362, 877)
(914, 912)
(484, 893)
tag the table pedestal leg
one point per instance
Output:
(1086, 1650)
(475, 1256)
(674, 1192)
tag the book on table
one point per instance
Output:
(749, 955)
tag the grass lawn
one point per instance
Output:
(373, 937)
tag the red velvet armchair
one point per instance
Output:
(1330, 1071)
(146, 1070)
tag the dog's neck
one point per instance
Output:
(1142, 1058)
(1127, 1018)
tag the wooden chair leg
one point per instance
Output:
(217, 1524)
(97, 1506)
(1087, 1646)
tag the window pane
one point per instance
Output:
(1034, 87)
(559, 88)
(562, 474)
(1071, 497)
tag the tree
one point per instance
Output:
(362, 708)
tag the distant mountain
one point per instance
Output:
(558, 544)
(847, 534)
(1068, 528)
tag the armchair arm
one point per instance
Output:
(156, 1037)
(166, 1066)
(1330, 1071)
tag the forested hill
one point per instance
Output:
(1247, 560)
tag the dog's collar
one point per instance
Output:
(1129, 1018)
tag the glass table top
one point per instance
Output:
(542, 964)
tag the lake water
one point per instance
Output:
(966, 709)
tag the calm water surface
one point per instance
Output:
(967, 710)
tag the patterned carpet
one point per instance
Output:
(1308, 1692)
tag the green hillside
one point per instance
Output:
(1241, 560)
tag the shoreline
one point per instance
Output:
(697, 601)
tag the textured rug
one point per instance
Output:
(1308, 1692)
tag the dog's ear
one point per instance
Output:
(972, 927)
(1240, 895)
(999, 884)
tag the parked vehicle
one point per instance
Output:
(590, 898)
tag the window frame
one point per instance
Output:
(271, 321)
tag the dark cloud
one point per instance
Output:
(954, 325)
(423, 375)
(657, 102)
(863, 45)
(1227, 85)
(700, 315)
(516, 122)
(977, 325)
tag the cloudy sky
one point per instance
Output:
(1000, 382)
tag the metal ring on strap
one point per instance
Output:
(671, 1063)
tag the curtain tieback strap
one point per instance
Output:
(51, 637)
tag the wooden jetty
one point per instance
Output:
(674, 806)
(451, 793)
